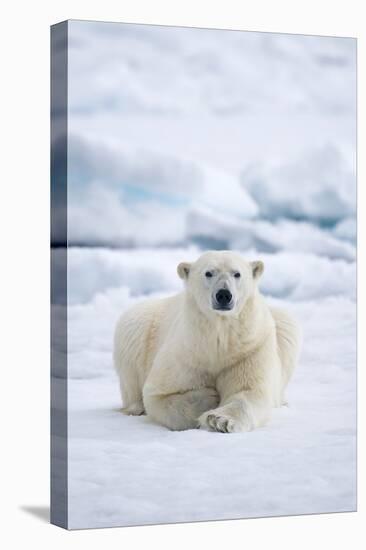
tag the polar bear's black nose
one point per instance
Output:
(223, 297)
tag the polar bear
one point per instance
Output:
(215, 356)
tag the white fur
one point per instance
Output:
(189, 365)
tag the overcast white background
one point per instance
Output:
(25, 195)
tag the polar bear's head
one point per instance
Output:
(220, 282)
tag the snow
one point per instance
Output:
(129, 471)
(208, 227)
(216, 137)
(136, 64)
(346, 229)
(319, 186)
(128, 191)
(93, 272)
(182, 140)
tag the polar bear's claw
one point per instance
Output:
(217, 423)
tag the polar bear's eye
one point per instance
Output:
(208, 274)
(237, 275)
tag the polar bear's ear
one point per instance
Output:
(183, 270)
(257, 269)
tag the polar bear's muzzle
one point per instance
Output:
(223, 300)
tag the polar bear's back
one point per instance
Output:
(288, 341)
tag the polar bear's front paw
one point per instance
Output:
(134, 409)
(220, 421)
